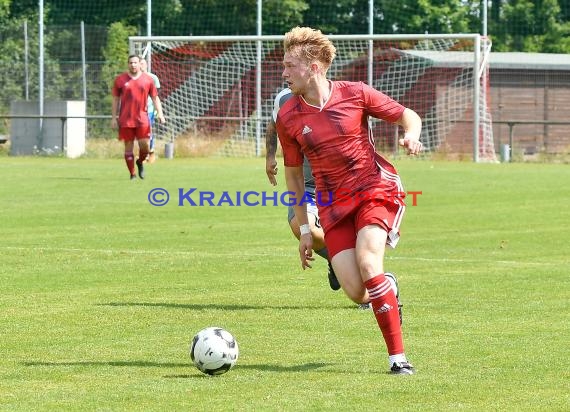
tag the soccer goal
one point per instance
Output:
(218, 91)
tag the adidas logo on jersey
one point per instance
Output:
(306, 130)
(384, 308)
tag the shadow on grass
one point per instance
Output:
(265, 368)
(146, 364)
(210, 306)
(138, 364)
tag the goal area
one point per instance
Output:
(218, 91)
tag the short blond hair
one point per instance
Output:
(310, 45)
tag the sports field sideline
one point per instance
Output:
(102, 292)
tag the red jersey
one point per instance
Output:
(337, 142)
(133, 94)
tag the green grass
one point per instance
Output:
(101, 293)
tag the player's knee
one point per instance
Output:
(356, 293)
(369, 267)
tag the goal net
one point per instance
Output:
(218, 92)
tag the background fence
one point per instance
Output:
(85, 46)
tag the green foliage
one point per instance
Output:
(542, 26)
(100, 12)
(167, 18)
(337, 17)
(281, 15)
(116, 51)
(219, 18)
(13, 64)
(4, 9)
(425, 16)
(557, 39)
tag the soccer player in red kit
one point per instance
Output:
(130, 96)
(359, 194)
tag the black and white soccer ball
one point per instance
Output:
(214, 351)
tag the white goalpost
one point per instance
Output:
(211, 93)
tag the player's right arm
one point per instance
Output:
(270, 152)
(411, 122)
(114, 112)
(295, 181)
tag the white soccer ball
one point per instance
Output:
(214, 351)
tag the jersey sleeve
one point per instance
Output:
(280, 99)
(380, 105)
(292, 154)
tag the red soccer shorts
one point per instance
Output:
(387, 215)
(131, 133)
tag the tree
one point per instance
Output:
(337, 16)
(279, 16)
(423, 16)
(531, 26)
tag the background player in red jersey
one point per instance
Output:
(130, 94)
(361, 198)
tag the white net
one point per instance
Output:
(211, 97)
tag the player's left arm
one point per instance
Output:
(158, 108)
(411, 122)
(384, 107)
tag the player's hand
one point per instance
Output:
(413, 146)
(114, 124)
(306, 250)
(271, 169)
(161, 119)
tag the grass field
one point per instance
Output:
(101, 293)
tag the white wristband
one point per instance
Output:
(305, 229)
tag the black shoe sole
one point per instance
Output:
(140, 168)
(333, 281)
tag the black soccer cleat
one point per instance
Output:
(402, 368)
(333, 281)
(140, 168)
(393, 277)
(133, 177)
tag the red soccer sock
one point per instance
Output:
(142, 156)
(130, 160)
(385, 307)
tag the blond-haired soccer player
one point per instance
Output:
(360, 194)
(317, 233)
